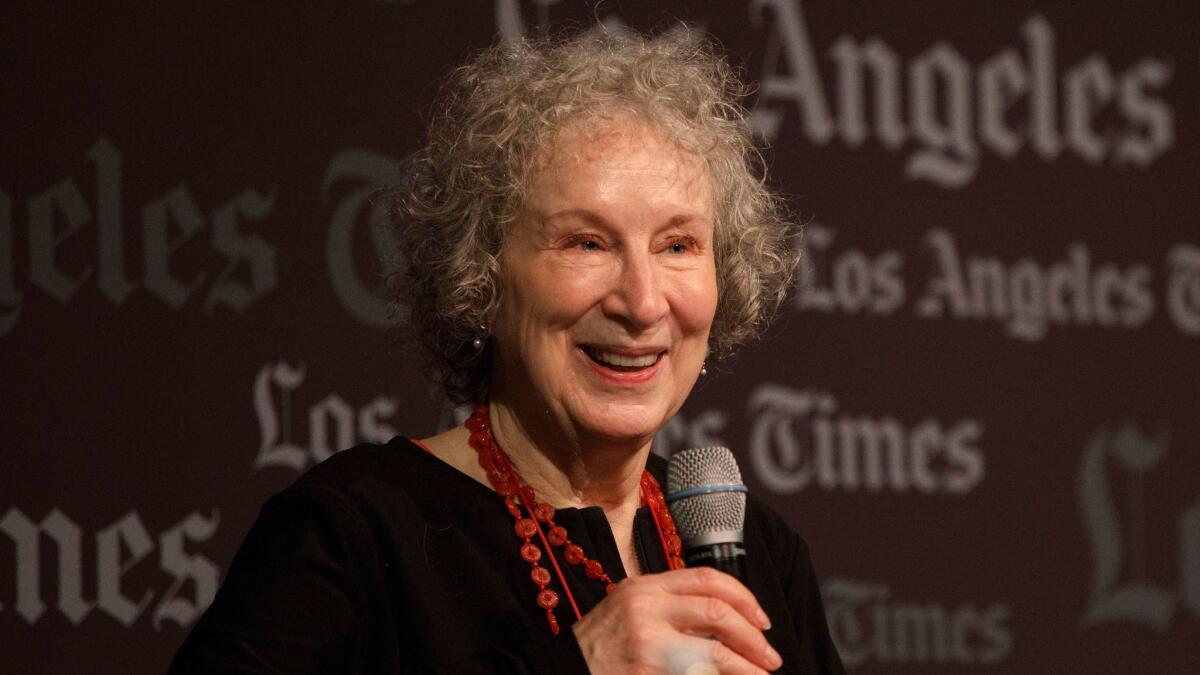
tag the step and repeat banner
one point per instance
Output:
(981, 407)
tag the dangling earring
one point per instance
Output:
(478, 342)
(703, 369)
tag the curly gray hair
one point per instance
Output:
(496, 114)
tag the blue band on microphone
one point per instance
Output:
(706, 490)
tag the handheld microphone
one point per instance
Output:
(708, 502)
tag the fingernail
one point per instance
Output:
(773, 658)
(763, 620)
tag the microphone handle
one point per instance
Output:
(729, 557)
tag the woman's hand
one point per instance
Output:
(661, 623)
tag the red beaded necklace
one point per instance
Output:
(507, 483)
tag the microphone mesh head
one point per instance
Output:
(700, 514)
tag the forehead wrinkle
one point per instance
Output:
(682, 172)
(592, 140)
(583, 134)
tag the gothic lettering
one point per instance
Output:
(185, 567)
(1043, 101)
(953, 105)
(1154, 115)
(869, 626)
(128, 533)
(334, 424)
(948, 155)
(169, 223)
(801, 437)
(885, 69)
(254, 251)
(119, 548)
(27, 538)
(114, 283)
(1002, 81)
(362, 299)
(274, 419)
(46, 236)
(1027, 296)
(1183, 287)
(1133, 599)
(62, 261)
(851, 281)
(1088, 88)
(799, 83)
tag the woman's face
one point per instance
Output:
(609, 284)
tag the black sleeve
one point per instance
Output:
(305, 594)
(559, 654)
(786, 584)
(808, 611)
(291, 602)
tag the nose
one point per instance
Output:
(637, 297)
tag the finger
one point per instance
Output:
(710, 582)
(707, 615)
(699, 656)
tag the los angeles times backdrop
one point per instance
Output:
(980, 407)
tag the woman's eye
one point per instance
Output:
(588, 245)
(680, 246)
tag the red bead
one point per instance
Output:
(506, 486)
(531, 553)
(574, 554)
(547, 599)
(593, 569)
(505, 481)
(500, 461)
(486, 463)
(527, 497)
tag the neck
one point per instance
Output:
(566, 469)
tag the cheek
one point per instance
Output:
(514, 319)
(572, 294)
(698, 305)
(542, 306)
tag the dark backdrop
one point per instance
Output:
(980, 408)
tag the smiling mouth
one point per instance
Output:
(621, 362)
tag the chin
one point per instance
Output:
(624, 423)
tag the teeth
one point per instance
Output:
(623, 361)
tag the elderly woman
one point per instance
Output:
(585, 227)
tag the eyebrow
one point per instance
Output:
(681, 219)
(593, 218)
(590, 217)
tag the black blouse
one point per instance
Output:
(384, 559)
